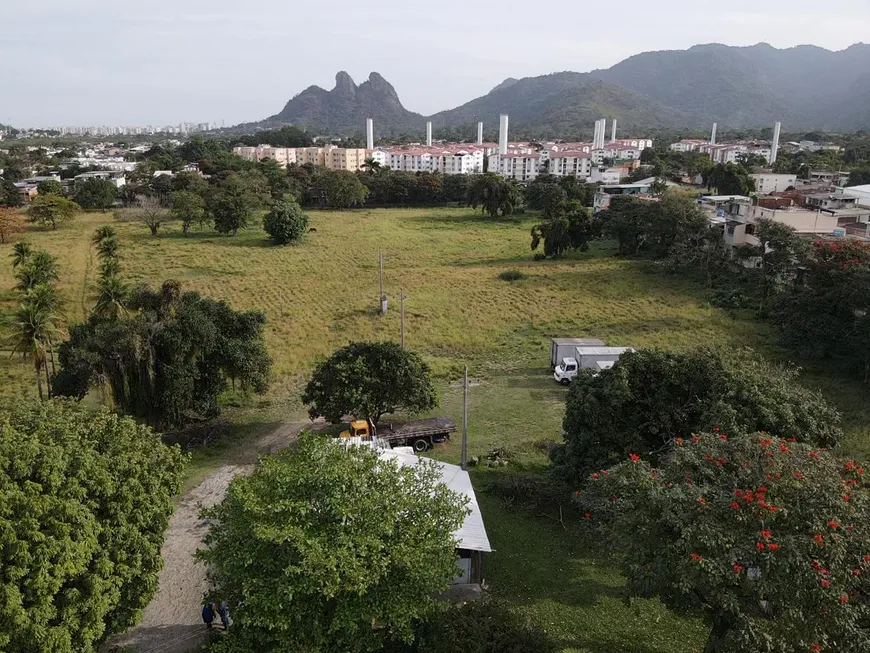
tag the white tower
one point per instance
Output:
(774, 147)
(370, 134)
(595, 134)
(429, 134)
(613, 131)
(480, 133)
(713, 135)
(602, 134)
(503, 134)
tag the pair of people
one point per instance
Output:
(211, 610)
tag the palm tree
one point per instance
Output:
(32, 333)
(107, 248)
(111, 297)
(20, 253)
(40, 267)
(44, 297)
(371, 165)
(101, 234)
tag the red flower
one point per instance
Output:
(633, 457)
(816, 647)
(723, 437)
(737, 568)
(655, 473)
(856, 572)
(577, 493)
(761, 490)
(850, 527)
(844, 598)
(798, 475)
(696, 557)
(679, 442)
(773, 546)
(588, 515)
(765, 534)
(814, 454)
(784, 448)
(759, 546)
(849, 466)
(595, 475)
(867, 556)
(826, 582)
(604, 472)
(791, 440)
(846, 497)
(702, 500)
(735, 505)
(833, 524)
(715, 429)
(762, 503)
(860, 470)
(696, 439)
(819, 540)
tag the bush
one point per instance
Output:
(511, 275)
(730, 299)
(285, 223)
(482, 626)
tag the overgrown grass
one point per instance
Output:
(323, 293)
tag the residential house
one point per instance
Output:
(769, 182)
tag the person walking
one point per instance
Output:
(224, 612)
(208, 614)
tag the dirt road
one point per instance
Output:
(171, 623)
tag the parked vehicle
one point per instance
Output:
(594, 358)
(420, 434)
(561, 348)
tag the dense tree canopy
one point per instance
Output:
(339, 189)
(729, 179)
(567, 226)
(494, 194)
(330, 549)
(49, 187)
(9, 195)
(651, 397)
(368, 380)
(96, 194)
(168, 360)
(86, 502)
(766, 539)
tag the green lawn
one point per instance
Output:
(322, 293)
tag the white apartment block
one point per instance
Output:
(570, 164)
(448, 162)
(766, 183)
(519, 167)
(687, 145)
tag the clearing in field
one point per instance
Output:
(322, 293)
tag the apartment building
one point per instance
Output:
(340, 158)
(569, 164)
(284, 156)
(519, 167)
(768, 182)
(687, 145)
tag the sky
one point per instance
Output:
(161, 62)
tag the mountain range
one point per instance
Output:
(804, 87)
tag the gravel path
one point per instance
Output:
(171, 623)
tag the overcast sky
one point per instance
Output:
(93, 62)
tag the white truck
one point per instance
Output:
(561, 348)
(594, 358)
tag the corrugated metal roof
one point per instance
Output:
(472, 534)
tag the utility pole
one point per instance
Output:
(402, 299)
(383, 297)
(465, 420)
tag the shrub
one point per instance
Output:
(285, 223)
(511, 275)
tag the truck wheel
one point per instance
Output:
(565, 381)
(420, 445)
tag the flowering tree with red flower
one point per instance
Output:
(773, 561)
(651, 399)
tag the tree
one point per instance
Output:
(10, 224)
(493, 194)
(32, 332)
(150, 211)
(859, 176)
(650, 397)
(572, 229)
(34, 268)
(780, 248)
(340, 189)
(189, 208)
(21, 251)
(369, 380)
(9, 195)
(766, 539)
(371, 166)
(88, 497)
(730, 179)
(97, 193)
(331, 549)
(169, 357)
(286, 222)
(51, 210)
(50, 187)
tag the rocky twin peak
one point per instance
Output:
(346, 107)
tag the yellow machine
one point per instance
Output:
(359, 428)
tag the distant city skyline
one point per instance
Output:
(164, 63)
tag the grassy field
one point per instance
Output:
(322, 293)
